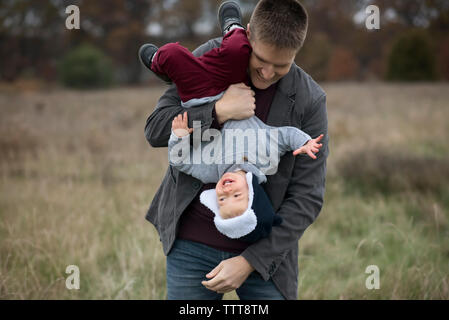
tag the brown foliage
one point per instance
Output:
(443, 58)
(315, 55)
(32, 47)
(343, 65)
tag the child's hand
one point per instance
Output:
(311, 147)
(180, 125)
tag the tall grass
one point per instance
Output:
(77, 176)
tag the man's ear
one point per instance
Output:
(248, 33)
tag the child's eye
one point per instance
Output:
(236, 195)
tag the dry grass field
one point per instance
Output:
(77, 175)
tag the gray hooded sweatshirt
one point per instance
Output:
(248, 144)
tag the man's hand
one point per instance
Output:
(237, 103)
(311, 147)
(180, 125)
(228, 275)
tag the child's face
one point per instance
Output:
(232, 194)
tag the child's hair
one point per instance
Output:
(282, 23)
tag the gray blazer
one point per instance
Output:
(296, 191)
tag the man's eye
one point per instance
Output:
(236, 195)
(221, 199)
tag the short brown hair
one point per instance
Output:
(282, 23)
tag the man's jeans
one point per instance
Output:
(187, 265)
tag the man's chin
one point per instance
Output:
(261, 85)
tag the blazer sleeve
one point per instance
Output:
(303, 200)
(158, 124)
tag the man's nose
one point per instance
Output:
(267, 72)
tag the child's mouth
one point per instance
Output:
(227, 182)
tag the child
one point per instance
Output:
(241, 207)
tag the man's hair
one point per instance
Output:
(282, 23)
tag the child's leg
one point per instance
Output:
(190, 75)
(228, 64)
(210, 74)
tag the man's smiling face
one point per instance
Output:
(267, 63)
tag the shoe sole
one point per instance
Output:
(142, 48)
(221, 5)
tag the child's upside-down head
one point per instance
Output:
(232, 194)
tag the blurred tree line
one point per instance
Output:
(411, 44)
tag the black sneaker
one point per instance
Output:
(146, 53)
(229, 13)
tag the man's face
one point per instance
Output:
(267, 63)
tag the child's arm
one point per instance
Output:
(293, 139)
(180, 125)
(311, 147)
(180, 153)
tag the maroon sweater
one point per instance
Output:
(197, 221)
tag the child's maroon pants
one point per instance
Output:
(210, 74)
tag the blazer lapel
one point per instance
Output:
(283, 102)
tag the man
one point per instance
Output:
(202, 263)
